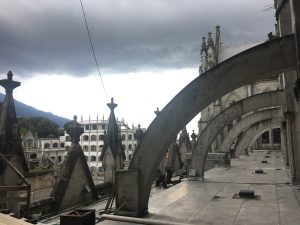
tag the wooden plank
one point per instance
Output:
(9, 220)
(13, 199)
(13, 188)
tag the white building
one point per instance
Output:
(92, 140)
(54, 150)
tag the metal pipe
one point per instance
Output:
(138, 220)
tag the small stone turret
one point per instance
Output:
(75, 185)
(184, 146)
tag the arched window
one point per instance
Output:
(55, 145)
(123, 137)
(85, 148)
(62, 145)
(93, 169)
(276, 136)
(129, 136)
(124, 147)
(129, 146)
(94, 126)
(85, 137)
(93, 137)
(29, 143)
(101, 137)
(265, 138)
(59, 158)
(46, 145)
(86, 127)
(68, 138)
(93, 148)
(93, 158)
(33, 156)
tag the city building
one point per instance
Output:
(47, 152)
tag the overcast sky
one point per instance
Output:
(148, 50)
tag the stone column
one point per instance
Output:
(295, 154)
(284, 143)
(290, 142)
(271, 138)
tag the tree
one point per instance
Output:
(44, 127)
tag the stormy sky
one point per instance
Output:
(39, 36)
(43, 40)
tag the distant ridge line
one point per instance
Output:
(26, 110)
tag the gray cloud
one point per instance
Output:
(38, 36)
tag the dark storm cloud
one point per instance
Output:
(38, 36)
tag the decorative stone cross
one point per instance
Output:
(9, 84)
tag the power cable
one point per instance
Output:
(92, 47)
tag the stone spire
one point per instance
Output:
(203, 46)
(184, 138)
(8, 115)
(217, 44)
(210, 41)
(113, 138)
(10, 139)
(203, 57)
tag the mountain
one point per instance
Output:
(26, 110)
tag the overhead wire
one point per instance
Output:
(92, 47)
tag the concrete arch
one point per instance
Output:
(247, 122)
(276, 56)
(254, 139)
(235, 111)
(253, 133)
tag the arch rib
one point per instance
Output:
(254, 64)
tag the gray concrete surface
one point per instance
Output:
(211, 201)
(225, 118)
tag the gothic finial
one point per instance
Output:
(74, 129)
(203, 46)
(139, 134)
(9, 75)
(157, 111)
(9, 84)
(112, 105)
(210, 42)
(193, 136)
